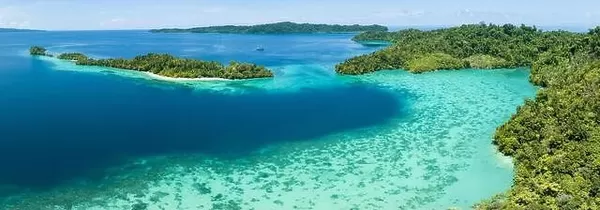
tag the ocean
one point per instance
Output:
(97, 138)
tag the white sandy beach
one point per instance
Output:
(160, 77)
(73, 66)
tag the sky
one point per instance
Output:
(146, 14)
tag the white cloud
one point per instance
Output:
(213, 10)
(116, 21)
(13, 17)
(468, 15)
(399, 13)
(413, 13)
(592, 15)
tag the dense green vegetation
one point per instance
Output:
(37, 50)
(435, 61)
(494, 47)
(485, 61)
(72, 56)
(388, 36)
(277, 28)
(554, 139)
(170, 66)
(374, 36)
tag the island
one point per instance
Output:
(554, 139)
(18, 30)
(168, 66)
(37, 50)
(277, 28)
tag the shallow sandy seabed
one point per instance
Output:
(437, 157)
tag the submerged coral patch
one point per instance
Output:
(437, 156)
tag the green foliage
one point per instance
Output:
(495, 203)
(555, 139)
(509, 45)
(593, 41)
(374, 36)
(277, 28)
(72, 56)
(402, 35)
(372, 62)
(435, 61)
(37, 50)
(170, 66)
(486, 62)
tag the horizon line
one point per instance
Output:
(417, 26)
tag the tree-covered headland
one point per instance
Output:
(553, 139)
(467, 46)
(170, 66)
(277, 28)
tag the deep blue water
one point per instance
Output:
(56, 126)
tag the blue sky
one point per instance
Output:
(143, 14)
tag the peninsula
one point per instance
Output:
(554, 139)
(277, 28)
(168, 66)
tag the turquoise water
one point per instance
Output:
(375, 43)
(96, 138)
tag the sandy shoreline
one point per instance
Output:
(149, 74)
(160, 77)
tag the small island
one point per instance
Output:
(554, 140)
(277, 28)
(7, 30)
(168, 66)
(37, 50)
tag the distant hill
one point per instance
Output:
(276, 28)
(18, 30)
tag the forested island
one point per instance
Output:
(18, 30)
(277, 28)
(168, 65)
(37, 50)
(554, 139)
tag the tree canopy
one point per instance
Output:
(169, 66)
(72, 56)
(554, 139)
(37, 50)
(494, 46)
(277, 28)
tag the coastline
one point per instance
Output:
(503, 160)
(180, 79)
(149, 74)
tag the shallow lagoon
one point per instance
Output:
(307, 139)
